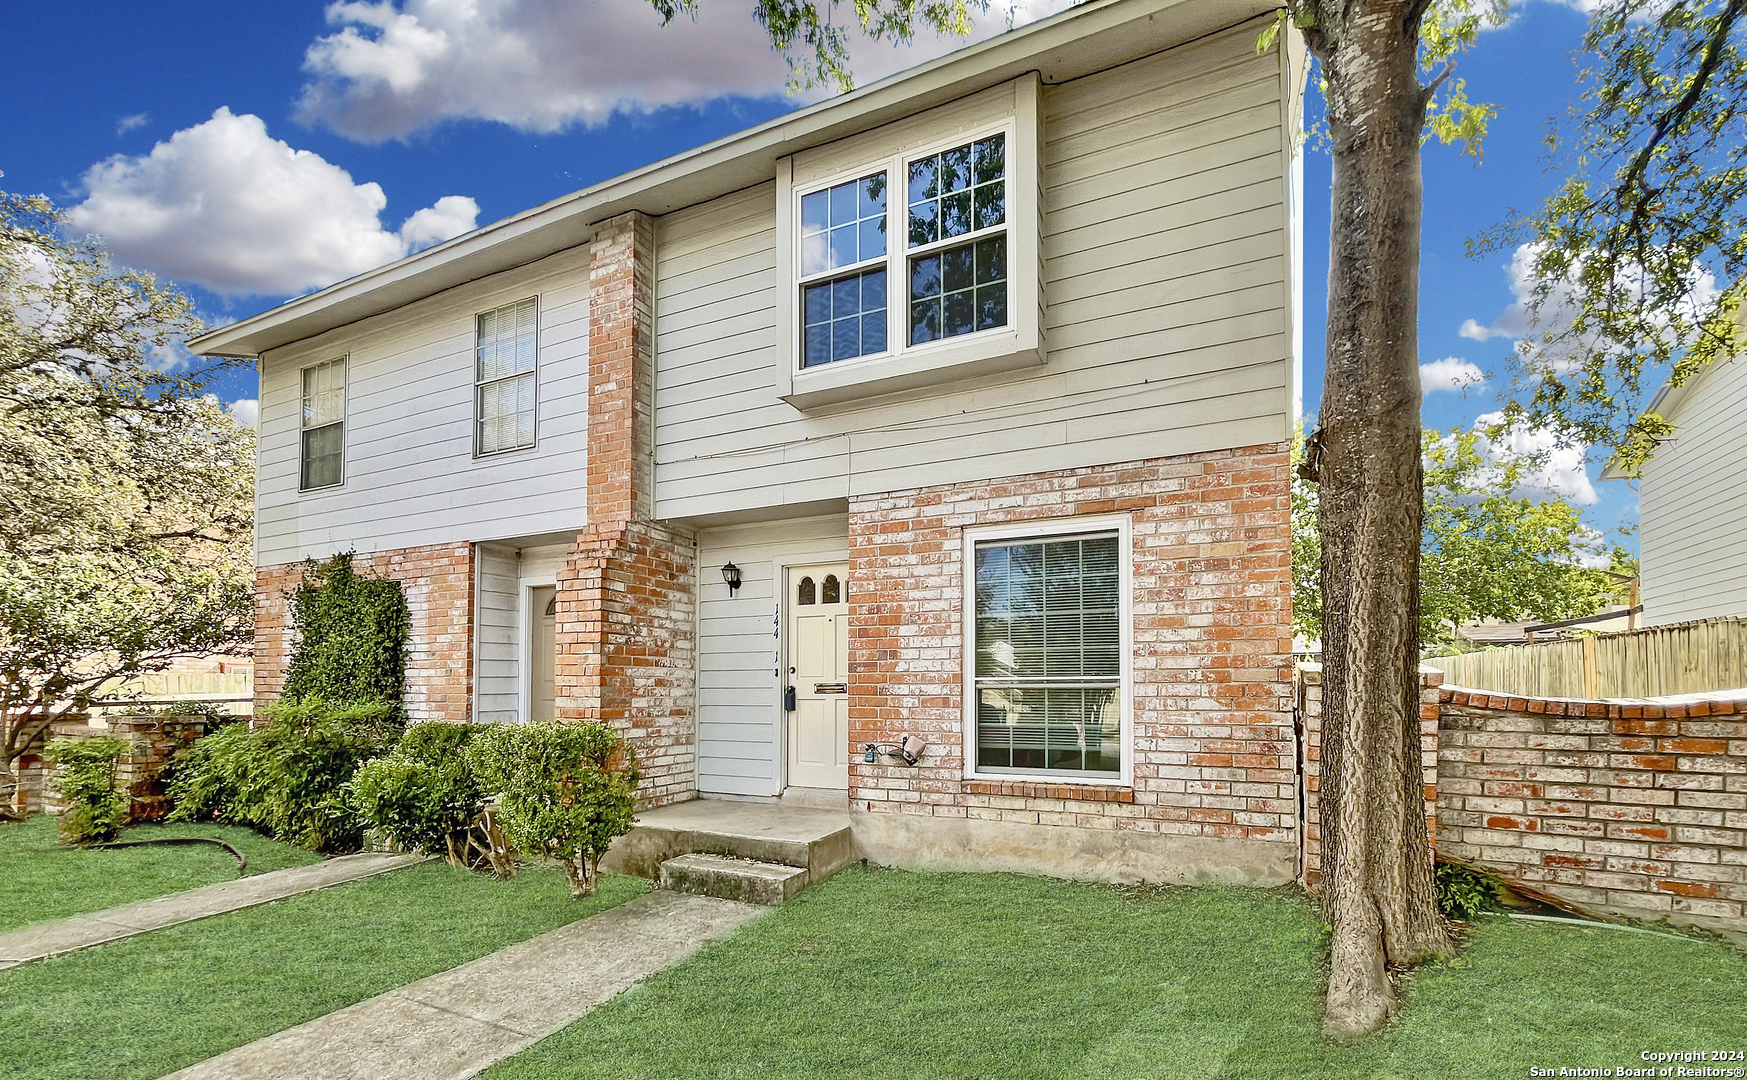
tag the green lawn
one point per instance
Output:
(894, 974)
(40, 881)
(155, 1003)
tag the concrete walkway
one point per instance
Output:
(459, 1022)
(112, 924)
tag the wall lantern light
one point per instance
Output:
(731, 574)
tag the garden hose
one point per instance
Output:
(242, 860)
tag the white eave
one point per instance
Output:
(1076, 42)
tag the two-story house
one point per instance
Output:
(955, 407)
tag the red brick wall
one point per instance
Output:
(1213, 740)
(1628, 808)
(438, 584)
(627, 653)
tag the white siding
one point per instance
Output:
(410, 475)
(739, 696)
(1692, 516)
(497, 634)
(1167, 326)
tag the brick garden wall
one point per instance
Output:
(438, 584)
(1213, 738)
(1629, 808)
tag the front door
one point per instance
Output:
(542, 653)
(818, 670)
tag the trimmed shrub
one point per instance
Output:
(85, 779)
(425, 795)
(564, 790)
(288, 778)
(351, 637)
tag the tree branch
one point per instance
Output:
(1677, 115)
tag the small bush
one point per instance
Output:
(564, 790)
(288, 778)
(425, 794)
(85, 779)
(1463, 893)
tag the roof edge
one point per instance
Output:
(685, 179)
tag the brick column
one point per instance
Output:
(626, 597)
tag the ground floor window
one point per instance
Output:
(1049, 633)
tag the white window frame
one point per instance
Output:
(479, 384)
(1120, 524)
(902, 365)
(303, 428)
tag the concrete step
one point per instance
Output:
(815, 840)
(745, 880)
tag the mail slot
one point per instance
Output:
(830, 688)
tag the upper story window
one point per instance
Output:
(505, 376)
(954, 264)
(324, 426)
(958, 241)
(843, 271)
(910, 254)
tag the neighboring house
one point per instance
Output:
(959, 404)
(1692, 506)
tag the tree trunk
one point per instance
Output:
(577, 872)
(1376, 854)
(8, 792)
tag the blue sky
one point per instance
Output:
(250, 152)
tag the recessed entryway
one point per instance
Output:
(542, 652)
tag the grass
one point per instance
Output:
(40, 881)
(894, 974)
(156, 1003)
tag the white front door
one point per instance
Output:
(818, 670)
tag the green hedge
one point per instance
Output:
(289, 778)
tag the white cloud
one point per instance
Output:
(1452, 374)
(392, 69)
(1558, 310)
(128, 123)
(224, 205)
(450, 216)
(1561, 471)
(246, 411)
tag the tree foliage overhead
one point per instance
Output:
(1639, 255)
(1487, 550)
(126, 492)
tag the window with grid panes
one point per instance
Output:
(324, 426)
(843, 271)
(1048, 665)
(505, 374)
(957, 235)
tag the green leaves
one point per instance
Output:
(351, 637)
(1639, 254)
(564, 789)
(1486, 551)
(425, 794)
(85, 778)
(288, 778)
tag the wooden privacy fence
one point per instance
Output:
(233, 689)
(1681, 658)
